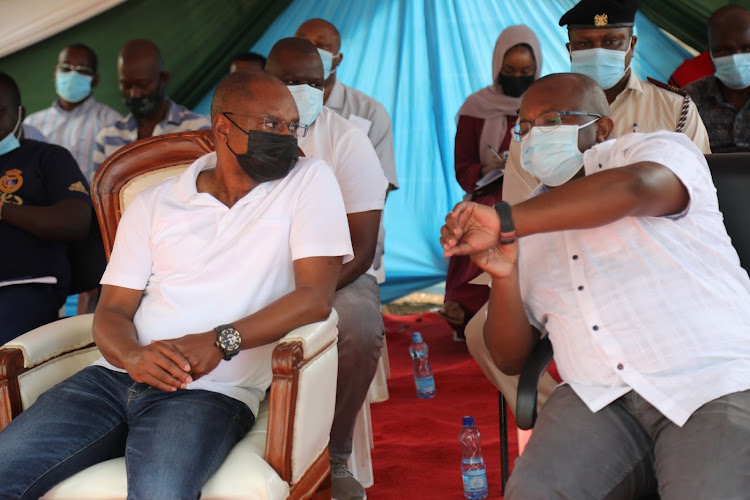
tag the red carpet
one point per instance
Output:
(416, 454)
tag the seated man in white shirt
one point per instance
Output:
(355, 106)
(351, 156)
(628, 266)
(209, 270)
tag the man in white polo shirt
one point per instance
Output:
(351, 156)
(209, 270)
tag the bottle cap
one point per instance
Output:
(416, 337)
(468, 421)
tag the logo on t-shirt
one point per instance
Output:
(11, 181)
(79, 187)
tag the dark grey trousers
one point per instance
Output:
(629, 450)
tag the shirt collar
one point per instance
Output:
(336, 97)
(634, 84)
(82, 108)
(187, 188)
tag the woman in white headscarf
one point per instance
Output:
(482, 141)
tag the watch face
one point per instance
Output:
(230, 340)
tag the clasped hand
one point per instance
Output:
(173, 363)
(473, 229)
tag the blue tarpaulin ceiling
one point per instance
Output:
(421, 59)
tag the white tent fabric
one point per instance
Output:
(24, 23)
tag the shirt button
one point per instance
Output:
(575, 257)
(580, 287)
(620, 366)
(595, 328)
(600, 165)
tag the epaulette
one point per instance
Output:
(667, 86)
(685, 101)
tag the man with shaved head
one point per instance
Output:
(723, 99)
(357, 107)
(143, 86)
(622, 257)
(354, 162)
(209, 270)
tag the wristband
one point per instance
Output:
(507, 228)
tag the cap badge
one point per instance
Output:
(601, 20)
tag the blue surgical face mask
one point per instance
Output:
(553, 157)
(72, 86)
(327, 59)
(605, 66)
(734, 70)
(10, 141)
(309, 102)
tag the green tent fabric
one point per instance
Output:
(686, 19)
(197, 40)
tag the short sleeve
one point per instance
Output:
(131, 261)
(62, 177)
(319, 224)
(680, 156)
(99, 156)
(696, 130)
(381, 136)
(359, 173)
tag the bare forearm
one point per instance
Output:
(115, 334)
(298, 308)
(68, 222)
(507, 332)
(643, 189)
(352, 270)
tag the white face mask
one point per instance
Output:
(327, 59)
(606, 66)
(309, 102)
(734, 70)
(10, 142)
(553, 157)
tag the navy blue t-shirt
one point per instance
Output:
(37, 174)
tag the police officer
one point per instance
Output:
(601, 45)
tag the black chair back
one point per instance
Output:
(731, 174)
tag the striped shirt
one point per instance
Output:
(125, 130)
(75, 130)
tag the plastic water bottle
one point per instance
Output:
(423, 378)
(472, 463)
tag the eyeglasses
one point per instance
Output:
(274, 124)
(84, 70)
(546, 123)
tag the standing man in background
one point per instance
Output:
(143, 85)
(723, 99)
(357, 107)
(75, 118)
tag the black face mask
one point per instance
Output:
(143, 107)
(269, 156)
(514, 86)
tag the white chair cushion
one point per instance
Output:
(50, 340)
(243, 475)
(135, 186)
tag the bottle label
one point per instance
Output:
(425, 384)
(475, 481)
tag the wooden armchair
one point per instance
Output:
(285, 455)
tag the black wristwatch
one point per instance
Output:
(507, 228)
(228, 340)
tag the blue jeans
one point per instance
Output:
(172, 441)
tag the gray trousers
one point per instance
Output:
(361, 333)
(629, 449)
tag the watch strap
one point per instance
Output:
(507, 228)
